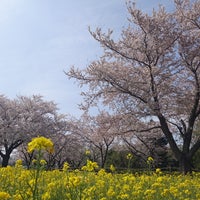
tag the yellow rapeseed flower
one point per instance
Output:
(46, 196)
(87, 152)
(111, 192)
(129, 156)
(18, 184)
(90, 166)
(17, 197)
(149, 193)
(4, 196)
(158, 171)
(18, 162)
(112, 168)
(101, 172)
(150, 160)
(40, 143)
(74, 181)
(124, 196)
(66, 166)
(43, 162)
(34, 161)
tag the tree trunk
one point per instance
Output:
(185, 164)
(8, 150)
(5, 160)
(102, 157)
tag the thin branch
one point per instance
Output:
(142, 130)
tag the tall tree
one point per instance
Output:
(152, 71)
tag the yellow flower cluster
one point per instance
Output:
(90, 166)
(40, 143)
(66, 166)
(4, 196)
(17, 184)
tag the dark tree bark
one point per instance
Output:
(8, 150)
(5, 159)
(185, 164)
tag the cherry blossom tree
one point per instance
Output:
(24, 118)
(152, 72)
(98, 133)
(8, 128)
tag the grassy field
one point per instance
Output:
(91, 183)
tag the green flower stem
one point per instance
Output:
(37, 171)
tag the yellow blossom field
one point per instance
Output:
(90, 182)
(18, 183)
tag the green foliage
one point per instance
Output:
(196, 161)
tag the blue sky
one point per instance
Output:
(39, 39)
